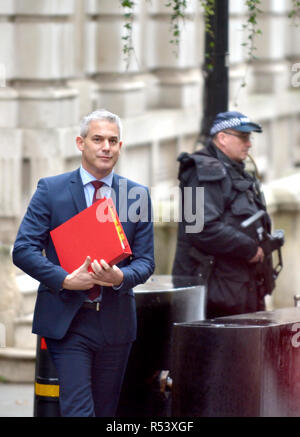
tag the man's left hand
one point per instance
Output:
(105, 273)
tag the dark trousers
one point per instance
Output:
(90, 371)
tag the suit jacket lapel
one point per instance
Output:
(115, 191)
(77, 191)
(120, 197)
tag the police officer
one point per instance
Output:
(223, 253)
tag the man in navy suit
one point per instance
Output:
(89, 339)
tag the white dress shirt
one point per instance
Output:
(89, 189)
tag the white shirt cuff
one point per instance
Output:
(117, 287)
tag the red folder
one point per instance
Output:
(96, 232)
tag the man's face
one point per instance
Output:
(235, 144)
(100, 148)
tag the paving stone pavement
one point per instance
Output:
(16, 400)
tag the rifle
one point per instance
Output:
(266, 274)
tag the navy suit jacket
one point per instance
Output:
(56, 200)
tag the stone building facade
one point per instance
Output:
(60, 59)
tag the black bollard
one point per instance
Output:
(46, 393)
(160, 302)
(246, 365)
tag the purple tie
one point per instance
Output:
(95, 291)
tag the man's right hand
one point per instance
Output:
(81, 278)
(258, 257)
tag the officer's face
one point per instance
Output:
(235, 144)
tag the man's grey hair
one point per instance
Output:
(100, 114)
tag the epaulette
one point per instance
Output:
(208, 167)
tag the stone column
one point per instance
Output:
(177, 68)
(10, 138)
(11, 300)
(284, 195)
(48, 108)
(271, 70)
(38, 118)
(293, 51)
(10, 171)
(121, 84)
(239, 73)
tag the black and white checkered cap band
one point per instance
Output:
(228, 124)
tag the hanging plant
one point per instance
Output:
(251, 27)
(295, 12)
(178, 14)
(252, 32)
(128, 38)
(209, 11)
